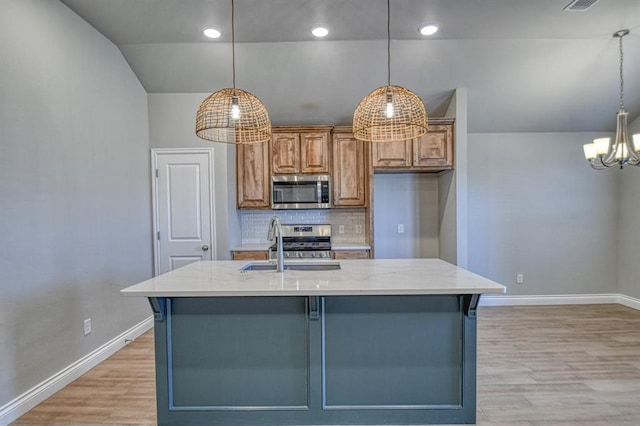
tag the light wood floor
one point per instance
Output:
(551, 365)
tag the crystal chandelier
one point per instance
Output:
(601, 153)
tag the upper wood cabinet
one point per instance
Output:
(434, 149)
(431, 152)
(252, 176)
(391, 154)
(296, 150)
(349, 170)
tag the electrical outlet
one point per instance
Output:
(358, 228)
(519, 278)
(400, 228)
(341, 229)
(87, 326)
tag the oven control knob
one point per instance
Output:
(323, 254)
(299, 254)
(313, 255)
(286, 255)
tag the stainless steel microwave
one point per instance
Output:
(300, 192)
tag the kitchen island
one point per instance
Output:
(374, 342)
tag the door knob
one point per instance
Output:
(205, 247)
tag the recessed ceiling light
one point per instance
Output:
(320, 32)
(211, 33)
(428, 29)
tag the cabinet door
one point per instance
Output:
(285, 153)
(249, 255)
(435, 148)
(238, 353)
(391, 154)
(314, 152)
(349, 171)
(393, 352)
(351, 254)
(252, 175)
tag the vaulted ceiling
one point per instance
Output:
(528, 66)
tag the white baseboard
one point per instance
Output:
(628, 301)
(559, 299)
(34, 396)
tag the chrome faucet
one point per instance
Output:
(275, 230)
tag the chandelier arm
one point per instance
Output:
(598, 165)
(609, 159)
(634, 157)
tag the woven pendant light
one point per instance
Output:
(389, 113)
(233, 115)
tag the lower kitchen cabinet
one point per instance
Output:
(351, 254)
(333, 360)
(249, 255)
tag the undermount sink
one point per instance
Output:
(292, 266)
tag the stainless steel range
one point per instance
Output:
(304, 242)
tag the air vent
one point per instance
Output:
(579, 5)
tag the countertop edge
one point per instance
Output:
(306, 293)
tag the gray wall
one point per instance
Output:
(172, 121)
(412, 200)
(537, 208)
(74, 183)
(629, 231)
(452, 190)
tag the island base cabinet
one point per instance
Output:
(334, 360)
(392, 352)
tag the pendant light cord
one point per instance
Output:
(388, 43)
(621, 77)
(233, 50)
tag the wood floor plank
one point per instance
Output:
(537, 365)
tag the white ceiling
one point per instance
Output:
(527, 65)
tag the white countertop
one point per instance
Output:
(356, 277)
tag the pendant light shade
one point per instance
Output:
(233, 115)
(240, 118)
(389, 113)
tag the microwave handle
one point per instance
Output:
(319, 191)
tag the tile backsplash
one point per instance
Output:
(254, 223)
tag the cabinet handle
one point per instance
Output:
(314, 308)
(205, 247)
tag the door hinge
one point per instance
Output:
(156, 172)
(158, 235)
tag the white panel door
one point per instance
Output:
(183, 207)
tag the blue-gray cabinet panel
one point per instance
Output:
(272, 361)
(235, 353)
(392, 351)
